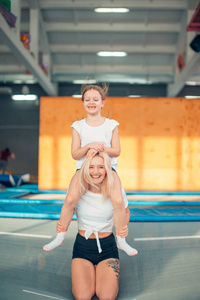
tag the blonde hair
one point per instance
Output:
(85, 179)
(102, 90)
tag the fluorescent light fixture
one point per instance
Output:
(191, 97)
(112, 53)
(18, 81)
(30, 81)
(24, 97)
(82, 81)
(111, 10)
(192, 83)
(134, 96)
(77, 96)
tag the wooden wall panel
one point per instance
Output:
(160, 141)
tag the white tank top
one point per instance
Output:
(95, 215)
(89, 134)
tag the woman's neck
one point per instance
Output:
(95, 190)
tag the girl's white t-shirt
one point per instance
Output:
(89, 134)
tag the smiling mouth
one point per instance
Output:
(96, 177)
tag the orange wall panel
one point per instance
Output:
(160, 141)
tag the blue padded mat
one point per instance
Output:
(164, 214)
(164, 193)
(46, 211)
(31, 211)
(9, 194)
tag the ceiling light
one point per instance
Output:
(112, 53)
(82, 81)
(30, 81)
(111, 10)
(77, 96)
(134, 96)
(191, 97)
(192, 83)
(25, 97)
(17, 81)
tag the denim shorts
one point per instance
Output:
(87, 249)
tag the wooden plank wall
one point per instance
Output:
(160, 142)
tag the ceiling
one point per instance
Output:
(65, 36)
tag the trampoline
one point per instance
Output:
(166, 267)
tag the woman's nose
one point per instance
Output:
(96, 170)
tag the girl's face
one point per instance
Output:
(97, 170)
(93, 102)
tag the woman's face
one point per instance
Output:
(97, 170)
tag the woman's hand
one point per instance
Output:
(124, 232)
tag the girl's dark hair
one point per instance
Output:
(102, 90)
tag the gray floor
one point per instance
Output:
(166, 268)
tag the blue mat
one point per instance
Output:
(163, 193)
(13, 207)
(31, 211)
(52, 211)
(164, 214)
(13, 194)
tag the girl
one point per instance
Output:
(89, 136)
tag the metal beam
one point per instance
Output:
(90, 48)
(102, 27)
(43, 39)
(190, 69)
(118, 77)
(133, 69)
(10, 38)
(136, 4)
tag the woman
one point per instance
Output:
(95, 264)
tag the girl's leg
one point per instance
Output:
(83, 279)
(72, 198)
(119, 215)
(107, 279)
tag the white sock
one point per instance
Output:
(58, 241)
(122, 244)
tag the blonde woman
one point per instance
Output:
(95, 264)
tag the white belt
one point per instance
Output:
(88, 234)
